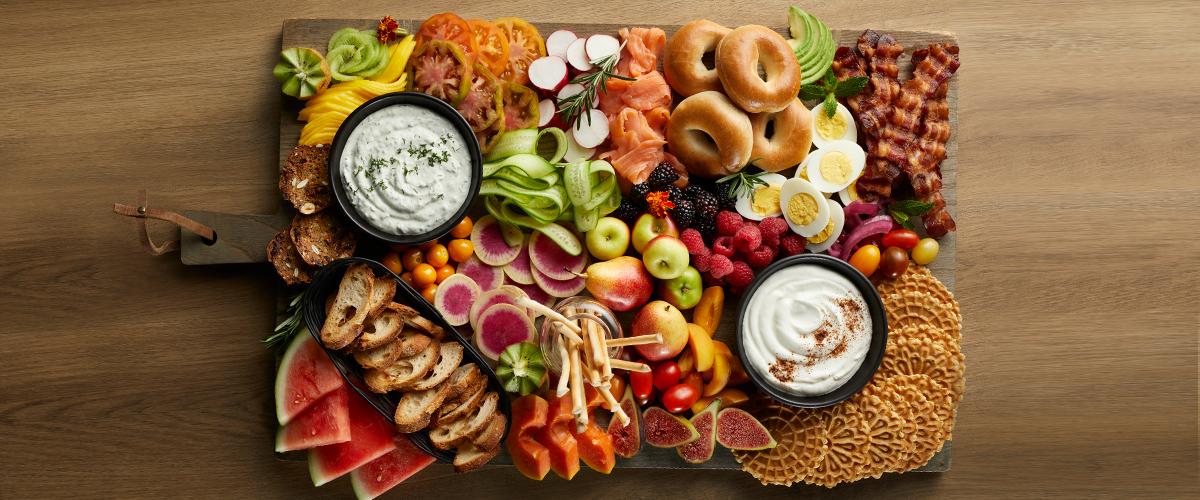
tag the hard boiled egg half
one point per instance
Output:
(763, 200)
(804, 209)
(837, 165)
(828, 234)
(838, 128)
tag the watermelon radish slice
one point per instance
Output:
(506, 294)
(489, 242)
(305, 376)
(384, 473)
(534, 292)
(518, 269)
(454, 298)
(370, 438)
(552, 260)
(500, 326)
(326, 422)
(557, 288)
(487, 277)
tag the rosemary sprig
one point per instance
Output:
(579, 104)
(286, 331)
(742, 182)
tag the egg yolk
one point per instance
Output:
(765, 200)
(802, 209)
(831, 129)
(824, 234)
(835, 167)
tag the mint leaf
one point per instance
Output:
(901, 219)
(851, 86)
(811, 92)
(911, 207)
(830, 105)
(830, 80)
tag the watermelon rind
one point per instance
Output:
(382, 474)
(325, 380)
(371, 436)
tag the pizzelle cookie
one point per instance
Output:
(848, 436)
(887, 445)
(917, 279)
(801, 443)
(929, 433)
(911, 356)
(915, 309)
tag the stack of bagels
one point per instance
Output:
(730, 114)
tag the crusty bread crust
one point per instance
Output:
(471, 457)
(379, 357)
(381, 296)
(403, 371)
(416, 407)
(452, 434)
(490, 437)
(412, 342)
(345, 319)
(451, 354)
(379, 330)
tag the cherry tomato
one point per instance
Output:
(424, 275)
(437, 255)
(649, 399)
(666, 375)
(894, 262)
(680, 397)
(902, 238)
(463, 229)
(428, 293)
(446, 26)
(398, 248)
(694, 379)
(926, 251)
(524, 46)
(617, 390)
(426, 246)
(412, 258)
(461, 250)
(866, 259)
(391, 260)
(407, 278)
(642, 383)
(489, 46)
(444, 272)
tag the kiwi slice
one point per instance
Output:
(521, 368)
(355, 54)
(303, 72)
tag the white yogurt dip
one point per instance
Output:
(806, 330)
(406, 169)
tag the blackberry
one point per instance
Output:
(662, 175)
(706, 205)
(676, 194)
(638, 193)
(683, 213)
(628, 211)
(707, 228)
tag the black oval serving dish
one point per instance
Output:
(878, 333)
(357, 116)
(327, 281)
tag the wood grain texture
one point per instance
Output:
(129, 376)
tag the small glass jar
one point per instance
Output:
(587, 310)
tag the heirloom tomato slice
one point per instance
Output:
(520, 107)
(524, 46)
(446, 26)
(488, 138)
(439, 68)
(483, 103)
(489, 45)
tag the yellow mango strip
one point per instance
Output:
(399, 58)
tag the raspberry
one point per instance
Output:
(761, 257)
(720, 266)
(692, 239)
(773, 226)
(741, 275)
(728, 223)
(709, 280)
(723, 245)
(702, 261)
(792, 244)
(771, 240)
(737, 290)
(748, 238)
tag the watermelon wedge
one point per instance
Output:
(326, 422)
(383, 473)
(305, 375)
(370, 438)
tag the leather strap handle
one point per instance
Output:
(141, 212)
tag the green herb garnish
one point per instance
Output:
(902, 212)
(832, 90)
(286, 331)
(579, 104)
(743, 182)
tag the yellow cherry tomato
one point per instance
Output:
(391, 260)
(407, 278)
(424, 275)
(461, 250)
(463, 229)
(444, 272)
(437, 255)
(866, 259)
(412, 258)
(429, 292)
(427, 245)
(925, 251)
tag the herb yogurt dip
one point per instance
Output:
(806, 330)
(406, 169)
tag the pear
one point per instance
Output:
(622, 283)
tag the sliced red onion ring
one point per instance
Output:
(876, 225)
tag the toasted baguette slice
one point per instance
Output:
(403, 371)
(451, 356)
(491, 435)
(412, 342)
(471, 457)
(350, 308)
(379, 357)
(329, 302)
(382, 292)
(451, 435)
(464, 405)
(379, 329)
(416, 408)
(461, 380)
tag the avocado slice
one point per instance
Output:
(821, 38)
(823, 62)
(803, 27)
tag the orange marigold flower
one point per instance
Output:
(659, 202)
(387, 29)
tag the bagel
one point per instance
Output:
(710, 135)
(791, 137)
(738, 57)
(682, 61)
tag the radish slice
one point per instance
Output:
(548, 73)
(575, 151)
(577, 55)
(590, 135)
(557, 43)
(571, 89)
(545, 112)
(599, 46)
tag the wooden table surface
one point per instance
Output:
(132, 376)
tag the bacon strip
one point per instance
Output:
(934, 69)
(928, 149)
(873, 107)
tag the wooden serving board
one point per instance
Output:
(244, 238)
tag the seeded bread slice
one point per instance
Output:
(463, 430)
(350, 308)
(416, 408)
(322, 237)
(403, 371)
(491, 435)
(379, 329)
(471, 457)
(412, 342)
(379, 357)
(288, 263)
(451, 356)
(305, 178)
